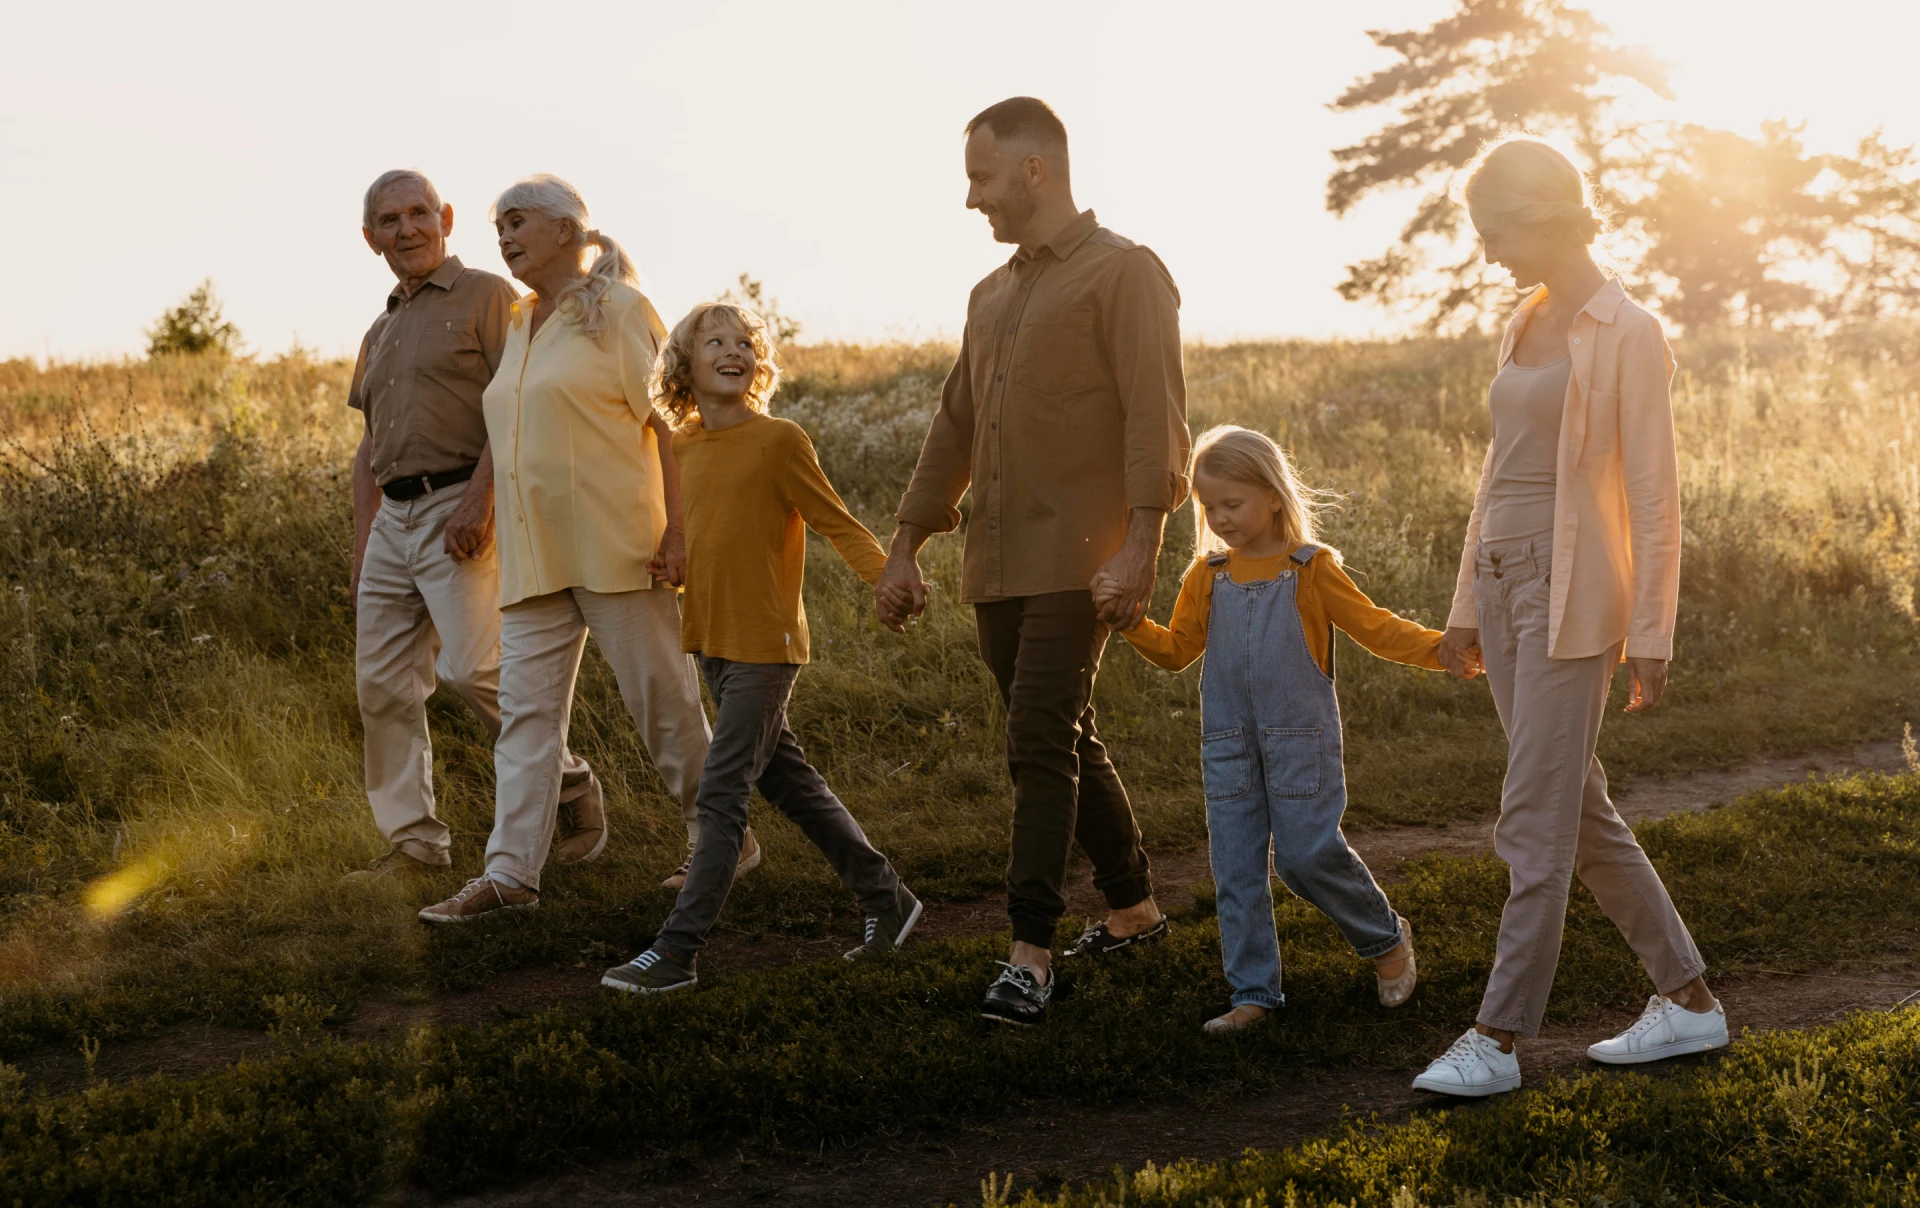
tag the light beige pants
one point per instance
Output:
(423, 618)
(1555, 817)
(541, 642)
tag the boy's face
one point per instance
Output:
(1238, 512)
(723, 362)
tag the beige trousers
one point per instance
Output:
(423, 618)
(541, 642)
(1555, 817)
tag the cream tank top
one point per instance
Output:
(1526, 404)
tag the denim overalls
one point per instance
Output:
(1270, 752)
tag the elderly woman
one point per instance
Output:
(587, 493)
(1572, 564)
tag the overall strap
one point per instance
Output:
(1216, 560)
(1301, 557)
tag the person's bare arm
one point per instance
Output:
(670, 560)
(469, 531)
(1132, 569)
(366, 501)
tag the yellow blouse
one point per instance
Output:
(578, 499)
(1324, 595)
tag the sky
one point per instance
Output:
(816, 146)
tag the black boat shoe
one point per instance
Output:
(1016, 998)
(1098, 941)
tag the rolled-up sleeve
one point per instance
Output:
(1142, 339)
(496, 312)
(940, 477)
(633, 343)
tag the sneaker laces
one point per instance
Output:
(1018, 975)
(646, 960)
(1463, 1053)
(873, 926)
(472, 888)
(1658, 1008)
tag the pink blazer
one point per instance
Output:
(1616, 508)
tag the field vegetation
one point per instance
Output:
(180, 770)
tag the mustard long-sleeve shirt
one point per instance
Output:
(750, 492)
(1324, 595)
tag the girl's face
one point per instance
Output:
(1529, 251)
(723, 362)
(1239, 513)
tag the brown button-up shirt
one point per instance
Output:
(423, 366)
(1066, 409)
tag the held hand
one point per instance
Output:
(469, 532)
(1459, 652)
(1649, 683)
(669, 562)
(1122, 588)
(901, 593)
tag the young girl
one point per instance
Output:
(752, 487)
(1262, 602)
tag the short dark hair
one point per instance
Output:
(1023, 118)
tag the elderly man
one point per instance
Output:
(425, 583)
(1066, 414)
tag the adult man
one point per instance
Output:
(1066, 413)
(425, 581)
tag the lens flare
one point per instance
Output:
(109, 896)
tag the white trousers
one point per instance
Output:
(542, 640)
(423, 618)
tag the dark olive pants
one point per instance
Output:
(1044, 652)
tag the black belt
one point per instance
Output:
(401, 490)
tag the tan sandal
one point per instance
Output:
(1237, 1020)
(1396, 991)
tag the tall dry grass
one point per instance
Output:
(179, 760)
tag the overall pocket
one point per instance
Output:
(1293, 761)
(1225, 764)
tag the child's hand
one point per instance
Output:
(1106, 588)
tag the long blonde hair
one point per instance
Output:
(1242, 455)
(672, 387)
(584, 300)
(1526, 181)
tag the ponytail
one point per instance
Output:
(584, 300)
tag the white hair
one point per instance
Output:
(582, 300)
(397, 176)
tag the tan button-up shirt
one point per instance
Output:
(577, 496)
(1066, 408)
(422, 368)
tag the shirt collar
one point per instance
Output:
(443, 277)
(1603, 306)
(1067, 241)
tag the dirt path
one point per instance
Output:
(1046, 1145)
(197, 1048)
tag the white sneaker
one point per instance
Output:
(1664, 1029)
(1473, 1067)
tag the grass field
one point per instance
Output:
(179, 750)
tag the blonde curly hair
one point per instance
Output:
(672, 387)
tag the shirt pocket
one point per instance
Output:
(1293, 761)
(449, 347)
(1226, 766)
(1601, 440)
(1057, 356)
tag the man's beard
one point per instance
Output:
(1016, 210)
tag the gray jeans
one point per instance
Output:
(1556, 820)
(753, 747)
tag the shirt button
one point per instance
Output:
(995, 424)
(1576, 339)
(996, 476)
(999, 377)
(1010, 328)
(993, 524)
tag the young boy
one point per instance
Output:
(751, 486)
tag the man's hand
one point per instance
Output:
(901, 593)
(1459, 652)
(1649, 680)
(469, 532)
(1127, 578)
(669, 562)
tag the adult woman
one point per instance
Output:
(587, 492)
(1572, 559)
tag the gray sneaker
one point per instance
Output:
(888, 931)
(652, 972)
